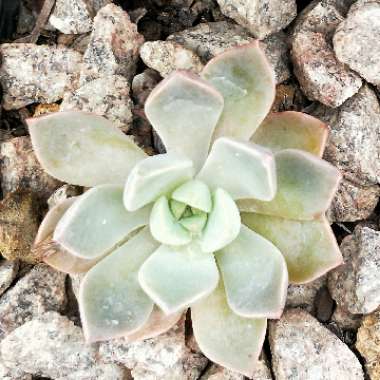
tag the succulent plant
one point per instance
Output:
(220, 223)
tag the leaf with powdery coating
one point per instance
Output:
(255, 276)
(111, 301)
(292, 130)
(309, 247)
(195, 194)
(224, 337)
(243, 169)
(97, 222)
(306, 185)
(176, 277)
(83, 149)
(60, 258)
(246, 80)
(184, 110)
(155, 176)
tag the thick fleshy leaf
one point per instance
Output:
(194, 223)
(155, 176)
(255, 276)
(243, 169)
(306, 185)
(246, 80)
(195, 194)
(157, 324)
(184, 110)
(111, 301)
(223, 224)
(292, 130)
(83, 149)
(164, 227)
(309, 247)
(226, 338)
(177, 208)
(60, 258)
(177, 277)
(95, 224)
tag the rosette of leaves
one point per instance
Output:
(220, 223)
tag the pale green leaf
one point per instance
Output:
(223, 224)
(255, 276)
(309, 247)
(195, 194)
(306, 185)
(184, 110)
(176, 277)
(246, 80)
(243, 169)
(83, 149)
(177, 208)
(98, 222)
(194, 223)
(155, 176)
(111, 301)
(226, 338)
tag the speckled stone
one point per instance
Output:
(107, 96)
(114, 45)
(357, 43)
(50, 346)
(210, 39)
(58, 71)
(367, 343)
(8, 272)
(303, 349)
(13, 373)
(260, 17)
(161, 358)
(42, 289)
(321, 76)
(355, 285)
(167, 56)
(20, 169)
(346, 320)
(99, 372)
(18, 226)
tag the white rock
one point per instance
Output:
(8, 272)
(13, 373)
(100, 372)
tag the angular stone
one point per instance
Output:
(302, 349)
(260, 17)
(113, 48)
(13, 373)
(167, 56)
(58, 71)
(355, 285)
(19, 218)
(20, 169)
(49, 346)
(368, 344)
(100, 372)
(346, 320)
(161, 358)
(107, 96)
(39, 291)
(8, 272)
(356, 41)
(321, 76)
(213, 38)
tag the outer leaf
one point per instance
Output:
(243, 169)
(246, 80)
(255, 276)
(156, 176)
(111, 301)
(177, 277)
(223, 224)
(98, 222)
(226, 338)
(292, 130)
(195, 194)
(184, 110)
(309, 247)
(60, 258)
(306, 185)
(83, 149)
(164, 227)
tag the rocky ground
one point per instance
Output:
(95, 56)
